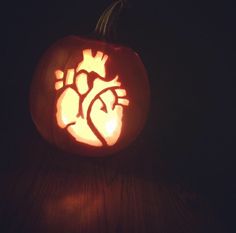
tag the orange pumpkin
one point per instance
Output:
(89, 97)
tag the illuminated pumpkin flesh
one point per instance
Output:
(89, 97)
(95, 117)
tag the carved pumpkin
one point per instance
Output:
(89, 97)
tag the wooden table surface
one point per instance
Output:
(48, 191)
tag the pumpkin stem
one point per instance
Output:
(103, 27)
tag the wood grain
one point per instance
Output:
(49, 191)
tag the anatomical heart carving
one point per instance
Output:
(89, 97)
(90, 107)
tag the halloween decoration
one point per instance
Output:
(89, 96)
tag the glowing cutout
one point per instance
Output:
(82, 83)
(59, 74)
(70, 76)
(92, 115)
(90, 63)
(58, 85)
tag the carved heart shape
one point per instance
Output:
(92, 115)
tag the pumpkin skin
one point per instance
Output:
(89, 97)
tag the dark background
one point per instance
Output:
(188, 49)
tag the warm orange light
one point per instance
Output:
(82, 83)
(96, 63)
(92, 115)
(59, 74)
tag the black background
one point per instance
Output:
(188, 49)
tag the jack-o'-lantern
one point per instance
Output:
(88, 96)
